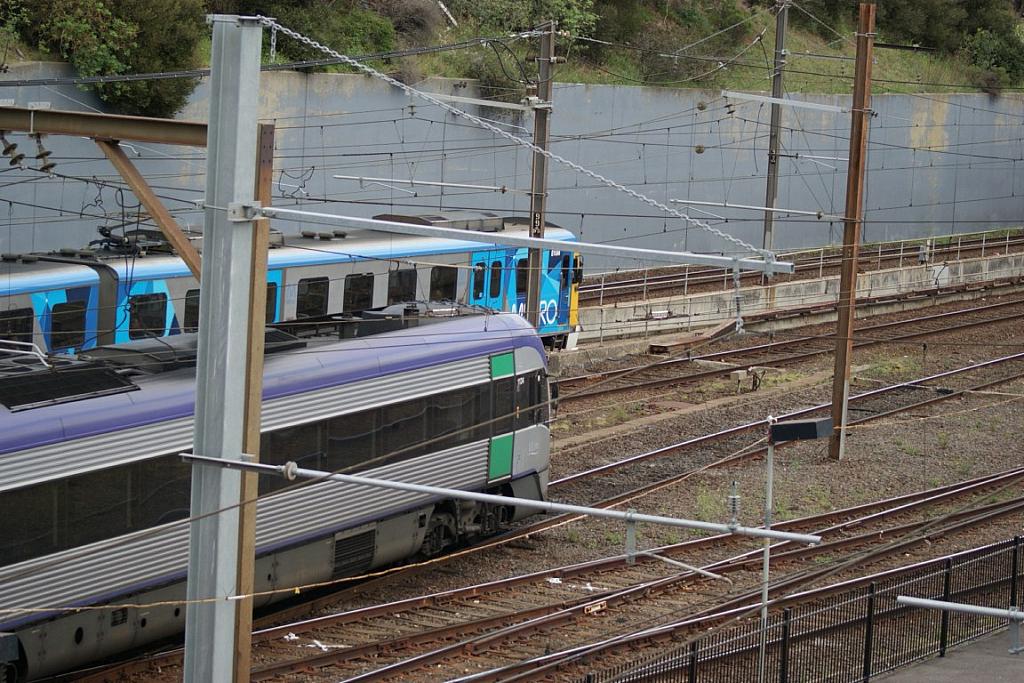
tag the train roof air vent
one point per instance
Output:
(26, 383)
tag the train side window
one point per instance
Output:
(543, 412)
(311, 297)
(190, 318)
(16, 324)
(531, 400)
(495, 290)
(443, 283)
(67, 326)
(453, 415)
(271, 302)
(147, 315)
(353, 440)
(404, 429)
(299, 444)
(30, 516)
(565, 272)
(484, 412)
(504, 405)
(401, 285)
(522, 276)
(160, 491)
(96, 506)
(358, 293)
(479, 275)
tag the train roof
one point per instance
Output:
(172, 395)
(311, 248)
(27, 274)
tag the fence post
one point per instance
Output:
(784, 653)
(1013, 571)
(694, 653)
(947, 573)
(869, 632)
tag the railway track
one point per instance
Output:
(476, 624)
(873, 405)
(625, 286)
(690, 369)
(649, 640)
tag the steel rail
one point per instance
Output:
(863, 513)
(743, 604)
(545, 617)
(540, 618)
(779, 345)
(615, 288)
(169, 658)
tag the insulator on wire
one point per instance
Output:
(9, 147)
(43, 154)
(734, 507)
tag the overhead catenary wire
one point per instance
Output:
(512, 138)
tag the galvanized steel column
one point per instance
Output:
(220, 373)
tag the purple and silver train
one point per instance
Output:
(94, 496)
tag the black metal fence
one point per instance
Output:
(848, 636)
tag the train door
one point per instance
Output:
(554, 288)
(490, 275)
(275, 290)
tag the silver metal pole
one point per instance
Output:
(291, 471)
(221, 365)
(769, 482)
(1013, 615)
(977, 610)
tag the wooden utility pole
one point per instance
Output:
(253, 402)
(772, 190)
(539, 181)
(860, 115)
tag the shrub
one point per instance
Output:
(99, 37)
(420, 19)
(167, 35)
(575, 16)
(349, 31)
(1000, 57)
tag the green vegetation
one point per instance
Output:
(893, 368)
(101, 37)
(709, 504)
(907, 447)
(679, 43)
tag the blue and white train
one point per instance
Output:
(73, 300)
(94, 495)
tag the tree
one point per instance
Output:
(102, 38)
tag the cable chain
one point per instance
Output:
(270, 23)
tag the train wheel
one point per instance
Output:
(440, 534)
